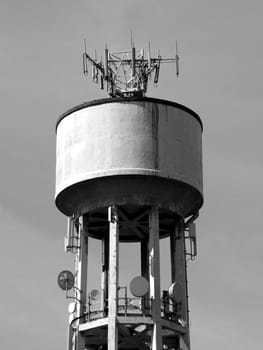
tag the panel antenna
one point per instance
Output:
(126, 73)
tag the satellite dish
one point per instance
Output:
(182, 322)
(140, 328)
(94, 294)
(66, 280)
(139, 286)
(71, 308)
(175, 291)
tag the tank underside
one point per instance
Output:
(133, 195)
(133, 223)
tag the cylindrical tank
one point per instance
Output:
(131, 152)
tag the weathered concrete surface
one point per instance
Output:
(139, 152)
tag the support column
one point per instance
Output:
(70, 338)
(113, 278)
(82, 268)
(145, 273)
(154, 277)
(104, 273)
(178, 274)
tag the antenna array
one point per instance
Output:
(126, 73)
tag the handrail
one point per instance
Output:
(132, 307)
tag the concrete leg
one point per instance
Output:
(113, 278)
(145, 273)
(104, 272)
(178, 274)
(81, 275)
(70, 338)
(154, 267)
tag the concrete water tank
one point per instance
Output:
(130, 152)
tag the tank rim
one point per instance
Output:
(128, 99)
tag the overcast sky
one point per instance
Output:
(221, 54)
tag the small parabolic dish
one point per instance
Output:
(66, 280)
(71, 308)
(94, 294)
(140, 328)
(175, 291)
(139, 286)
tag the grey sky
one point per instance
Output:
(221, 55)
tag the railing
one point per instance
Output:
(131, 307)
(134, 307)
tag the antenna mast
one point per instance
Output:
(126, 73)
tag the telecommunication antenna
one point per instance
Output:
(126, 73)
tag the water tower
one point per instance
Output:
(129, 169)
